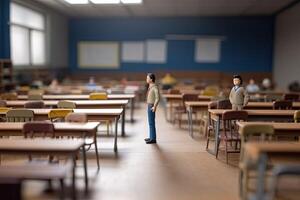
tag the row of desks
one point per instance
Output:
(92, 114)
(129, 97)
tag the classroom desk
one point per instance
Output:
(177, 98)
(92, 114)
(253, 115)
(260, 152)
(129, 97)
(194, 106)
(280, 128)
(60, 147)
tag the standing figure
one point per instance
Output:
(238, 95)
(152, 103)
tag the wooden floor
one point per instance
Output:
(177, 167)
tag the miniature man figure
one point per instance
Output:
(238, 95)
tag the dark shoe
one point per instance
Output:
(151, 142)
(147, 139)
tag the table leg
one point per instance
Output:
(74, 195)
(123, 122)
(262, 163)
(217, 135)
(86, 178)
(131, 110)
(116, 135)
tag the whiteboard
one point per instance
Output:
(156, 51)
(208, 50)
(95, 54)
(133, 51)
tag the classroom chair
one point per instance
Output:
(181, 109)
(19, 115)
(4, 110)
(34, 104)
(38, 128)
(9, 96)
(280, 171)
(35, 97)
(58, 114)
(101, 96)
(173, 91)
(251, 132)
(282, 105)
(219, 104)
(229, 133)
(291, 97)
(66, 104)
(82, 118)
(2, 103)
(272, 97)
(98, 96)
(297, 116)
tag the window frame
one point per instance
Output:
(31, 65)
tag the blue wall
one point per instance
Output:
(4, 29)
(248, 45)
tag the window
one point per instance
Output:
(27, 30)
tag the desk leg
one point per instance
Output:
(116, 135)
(74, 195)
(262, 163)
(123, 121)
(191, 122)
(86, 178)
(217, 135)
(131, 110)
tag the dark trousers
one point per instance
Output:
(151, 122)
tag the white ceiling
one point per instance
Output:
(170, 8)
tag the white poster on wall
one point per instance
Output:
(208, 50)
(133, 51)
(156, 51)
(95, 54)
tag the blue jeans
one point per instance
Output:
(151, 122)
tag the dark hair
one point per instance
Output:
(151, 76)
(238, 77)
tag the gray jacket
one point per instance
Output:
(239, 96)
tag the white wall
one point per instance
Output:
(57, 34)
(287, 47)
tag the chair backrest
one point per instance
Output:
(35, 97)
(19, 115)
(213, 105)
(4, 109)
(76, 117)
(297, 116)
(235, 115)
(58, 114)
(98, 96)
(2, 103)
(282, 105)
(34, 104)
(190, 97)
(291, 97)
(66, 104)
(38, 128)
(253, 130)
(9, 96)
(173, 91)
(224, 104)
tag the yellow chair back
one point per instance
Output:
(98, 96)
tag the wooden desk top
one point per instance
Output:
(77, 102)
(104, 111)
(249, 105)
(179, 96)
(59, 126)
(276, 125)
(40, 145)
(258, 112)
(254, 150)
(78, 97)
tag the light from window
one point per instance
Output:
(28, 39)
